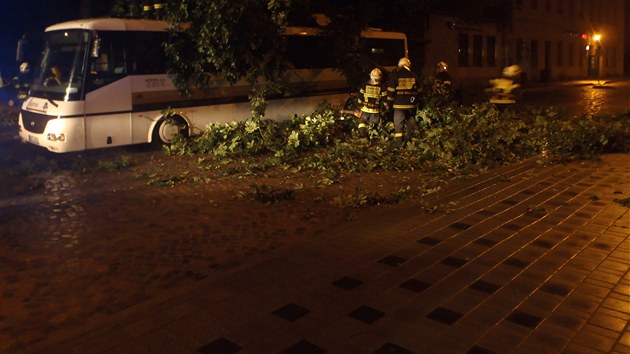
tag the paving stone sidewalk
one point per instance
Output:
(530, 259)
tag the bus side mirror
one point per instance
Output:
(96, 48)
(20, 54)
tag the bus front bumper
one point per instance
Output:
(51, 139)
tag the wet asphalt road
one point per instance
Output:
(580, 97)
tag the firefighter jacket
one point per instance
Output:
(372, 97)
(443, 80)
(402, 89)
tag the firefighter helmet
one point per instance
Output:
(404, 62)
(376, 74)
(24, 67)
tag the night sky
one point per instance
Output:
(22, 16)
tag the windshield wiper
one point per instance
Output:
(52, 102)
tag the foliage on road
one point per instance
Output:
(321, 149)
(471, 138)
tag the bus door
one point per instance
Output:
(108, 95)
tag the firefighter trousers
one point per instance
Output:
(368, 119)
(402, 119)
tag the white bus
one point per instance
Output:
(103, 83)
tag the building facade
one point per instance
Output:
(549, 39)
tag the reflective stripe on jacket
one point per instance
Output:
(402, 89)
(371, 97)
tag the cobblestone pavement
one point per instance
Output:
(73, 251)
(531, 259)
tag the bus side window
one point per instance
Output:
(100, 65)
(148, 53)
(99, 71)
(308, 52)
(110, 65)
(119, 65)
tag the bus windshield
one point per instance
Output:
(385, 52)
(61, 71)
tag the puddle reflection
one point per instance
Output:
(593, 100)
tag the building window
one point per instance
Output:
(571, 8)
(534, 54)
(547, 55)
(582, 9)
(548, 5)
(534, 4)
(462, 49)
(559, 54)
(477, 50)
(560, 10)
(570, 58)
(520, 49)
(491, 51)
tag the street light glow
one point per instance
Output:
(597, 37)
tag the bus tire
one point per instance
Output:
(166, 130)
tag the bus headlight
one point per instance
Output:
(56, 137)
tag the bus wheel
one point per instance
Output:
(166, 130)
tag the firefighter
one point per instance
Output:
(402, 89)
(373, 99)
(443, 81)
(23, 81)
(502, 89)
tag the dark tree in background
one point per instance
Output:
(238, 39)
(242, 39)
(132, 9)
